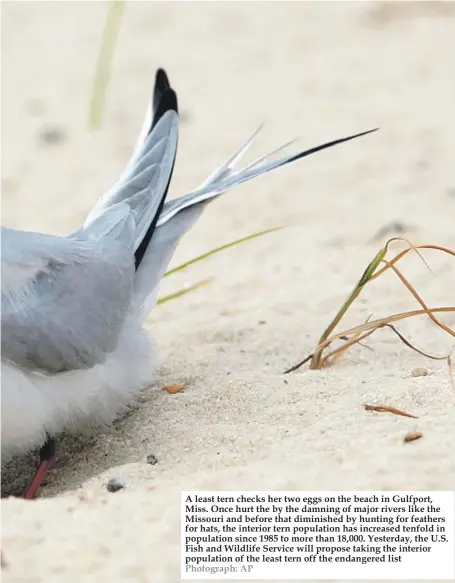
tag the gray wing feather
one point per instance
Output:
(117, 223)
(146, 176)
(69, 314)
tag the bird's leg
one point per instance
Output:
(46, 461)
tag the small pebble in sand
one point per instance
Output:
(152, 459)
(419, 372)
(115, 485)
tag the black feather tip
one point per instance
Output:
(161, 86)
(328, 145)
(164, 97)
(161, 81)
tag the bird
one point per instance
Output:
(74, 349)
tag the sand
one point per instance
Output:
(316, 71)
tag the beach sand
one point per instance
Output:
(316, 71)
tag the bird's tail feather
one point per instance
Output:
(144, 185)
(145, 181)
(165, 240)
(180, 214)
(219, 182)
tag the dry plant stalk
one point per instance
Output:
(358, 333)
(387, 409)
(409, 437)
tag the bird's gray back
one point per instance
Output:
(69, 315)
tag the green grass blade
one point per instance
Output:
(183, 291)
(369, 271)
(366, 276)
(222, 248)
(103, 68)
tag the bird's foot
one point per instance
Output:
(47, 462)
